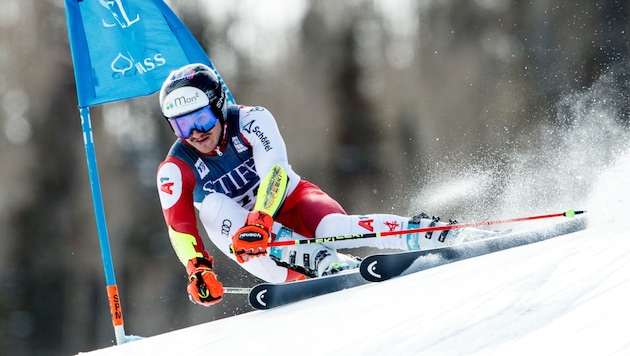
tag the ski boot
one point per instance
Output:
(442, 238)
(312, 260)
(431, 239)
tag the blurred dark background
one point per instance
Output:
(375, 99)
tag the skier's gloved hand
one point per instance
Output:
(203, 286)
(251, 240)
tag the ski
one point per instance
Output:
(381, 267)
(272, 295)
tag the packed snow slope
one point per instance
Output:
(566, 296)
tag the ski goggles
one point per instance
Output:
(202, 120)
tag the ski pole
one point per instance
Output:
(569, 214)
(236, 290)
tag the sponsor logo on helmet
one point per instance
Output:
(221, 99)
(183, 100)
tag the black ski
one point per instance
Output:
(381, 267)
(271, 295)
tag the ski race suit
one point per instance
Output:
(223, 184)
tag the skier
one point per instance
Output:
(230, 164)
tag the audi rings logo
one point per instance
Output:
(226, 226)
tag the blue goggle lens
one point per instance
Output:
(202, 120)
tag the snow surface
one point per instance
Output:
(565, 296)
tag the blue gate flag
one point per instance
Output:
(123, 49)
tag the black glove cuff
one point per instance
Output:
(197, 262)
(200, 261)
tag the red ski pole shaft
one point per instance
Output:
(320, 240)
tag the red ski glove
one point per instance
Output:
(203, 286)
(251, 240)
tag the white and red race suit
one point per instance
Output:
(223, 184)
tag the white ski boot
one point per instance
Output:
(312, 260)
(441, 238)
